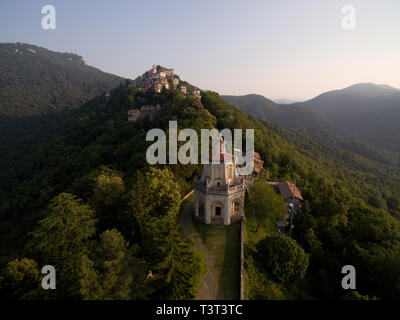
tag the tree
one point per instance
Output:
(154, 202)
(304, 232)
(108, 199)
(63, 235)
(282, 257)
(154, 197)
(331, 207)
(368, 225)
(182, 265)
(264, 203)
(19, 277)
(109, 273)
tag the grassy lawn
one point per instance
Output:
(223, 246)
(220, 246)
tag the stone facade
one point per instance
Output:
(183, 89)
(144, 111)
(196, 93)
(219, 192)
(156, 78)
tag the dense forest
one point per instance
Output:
(34, 80)
(38, 88)
(86, 201)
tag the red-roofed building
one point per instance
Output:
(289, 190)
(292, 196)
(258, 164)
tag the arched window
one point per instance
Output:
(236, 208)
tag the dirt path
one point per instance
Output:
(220, 246)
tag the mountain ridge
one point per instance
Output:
(364, 111)
(289, 116)
(36, 81)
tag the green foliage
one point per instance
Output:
(184, 267)
(63, 235)
(36, 83)
(257, 284)
(110, 275)
(283, 258)
(154, 196)
(348, 216)
(108, 198)
(380, 260)
(19, 277)
(264, 203)
(370, 225)
(154, 202)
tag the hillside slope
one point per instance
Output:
(365, 111)
(35, 81)
(288, 116)
(38, 88)
(349, 213)
(308, 123)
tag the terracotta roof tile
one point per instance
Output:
(289, 190)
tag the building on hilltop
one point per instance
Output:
(165, 72)
(258, 164)
(219, 192)
(145, 111)
(196, 93)
(160, 84)
(183, 89)
(133, 115)
(156, 78)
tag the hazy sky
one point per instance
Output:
(281, 49)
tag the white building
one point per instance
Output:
(219, 192)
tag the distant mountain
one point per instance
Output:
(36, 81)
(284, 101)
(288, 116)
(365, 111)
(307, 122)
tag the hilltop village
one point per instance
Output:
(157, 78)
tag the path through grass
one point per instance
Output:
(220, 246)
